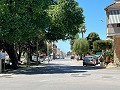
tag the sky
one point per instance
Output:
(95, 20)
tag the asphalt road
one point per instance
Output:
(62, 75)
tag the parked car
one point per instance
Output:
(47, 58)
(40, 59)
(72, 57)
(89, 60)
(96, 57)
(34, 57)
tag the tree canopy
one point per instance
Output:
(93, 36)
(102, 45)
(28, 21)
(82, 29)
(73, 40)
(81, 46)
(66, 17)
(22, 20)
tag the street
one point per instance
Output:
(62, 75)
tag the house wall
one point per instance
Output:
(113, 20)
(111, 31)
(117, 50)
(113, 28)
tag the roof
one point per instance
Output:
(113, 5)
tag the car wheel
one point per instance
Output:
(84, 64)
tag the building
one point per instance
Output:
(113, 27)
(60, 54)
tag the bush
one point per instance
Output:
(102, 45)
(81, 46)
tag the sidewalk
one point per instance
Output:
(5, 74)
(111, 65)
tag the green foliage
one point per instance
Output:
(28, 21)
(81, 46)
(91, 38)
(73, 40)
(23, 20)
(82, 29)
(102, 45)
(110, 53)
(66, 17)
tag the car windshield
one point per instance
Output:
(88, 58)
(96, 56)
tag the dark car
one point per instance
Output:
(89, 60)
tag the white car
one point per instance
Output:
(89, 60)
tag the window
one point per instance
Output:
(111, 25)
(114, 12)
(118, 25)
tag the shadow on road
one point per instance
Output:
(54, 69)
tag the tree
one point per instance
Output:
(91, 38)
(21, 18)
(106, 46)
(102, 45)
(66, 17)
(26, 22)
(81, 46)
(22, 21)
(82, 29)
(73, 40)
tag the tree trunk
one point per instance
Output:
(19, 54)
(82, 34)
(12, 54)
(54, 57)
(80, 56)
(28, 59)
(30, 47)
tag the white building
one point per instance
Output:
(113, 27)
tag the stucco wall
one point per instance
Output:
(117, 50)
(113, 31)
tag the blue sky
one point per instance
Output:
(95, 19)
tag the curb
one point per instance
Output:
(5, 75)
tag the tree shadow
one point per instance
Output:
(54, 69)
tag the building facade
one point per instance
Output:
(113, 28)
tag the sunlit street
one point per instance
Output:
(59, 44)
(62, 75)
